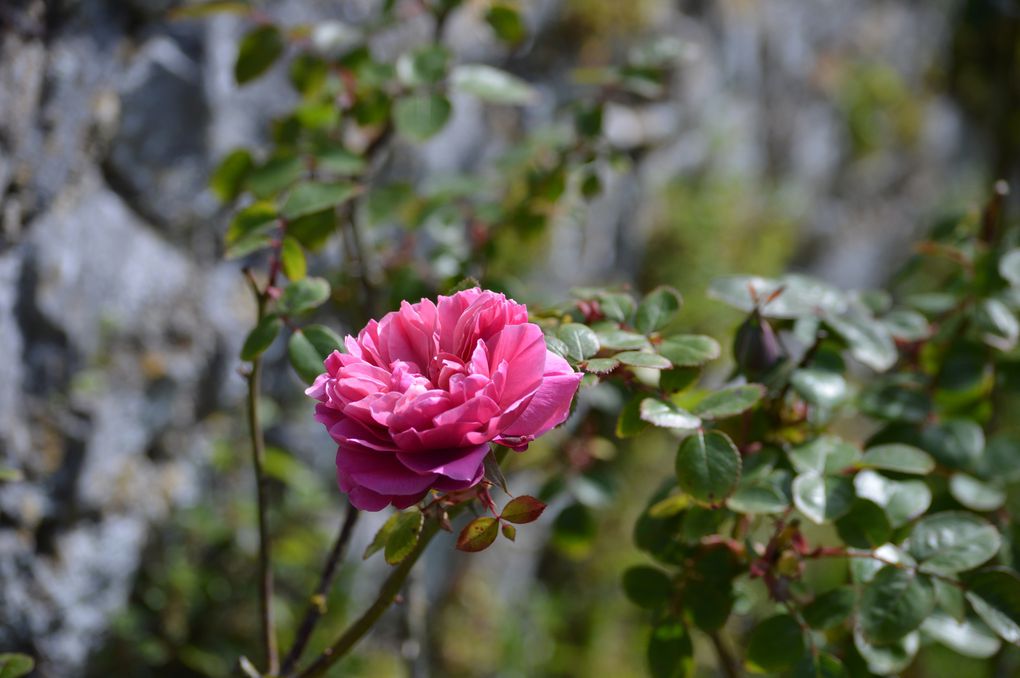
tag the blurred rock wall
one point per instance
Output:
(119, 325)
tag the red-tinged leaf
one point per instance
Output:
(522, 510)
(478, 535)
(509, 531)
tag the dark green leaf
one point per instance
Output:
(229, 176)
(1009, 267)
(303, 295)
(574, 531)
(866, 526)
(902, 500)
(404, 536)
(254, 218)
(647, 586)
(313, 197)
(276, 174)
(259, 49)
(506, 23)
(491, 84)
(899, 458)
(657, 309)
(995, 595)
(313, 230)
(630, 423)
(893, 604)
(831, 608)
(953, 541)
(957, 443)
(425, 66)
(667, 415)
(729, 401)
(708, 466)
(304, 357)
(261, 337)
(822, 498)
(869, 341)
(421, 116)
(670, 652)
(820, 665)
(775, 644)
(689, 350)
(323, 339)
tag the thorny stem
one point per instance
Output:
(317, 602)
(258, 458)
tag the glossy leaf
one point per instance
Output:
(820, 387)
(580, 340)
(899, 458)
(953, 541)
(642, 359)
(975, 494)
(656, 309)
(890, 658)
(893, 604)
(689, 350)
(866, 526)
(826, 454)
(708, 466)
(995, 595)
(523, 509)
(667, 414)
(729, 401)
(822, 498)
(968, 637)
(902, 500)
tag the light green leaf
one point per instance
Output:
(580, 340)
(826, 454)
(656, 309)
(899, 458)
(303, 295)
(601, 365)
(800, 296)
(822, 498)
(953, 541)
(968, 637)
(995, 595)
(15, 665)
(869, 341)
(729, 401)
(667, 415)
(404, 535)
(229, 176)
(312, 197)
(820, 387)
(620, 340)
(642, 359)
(902, 500)
(422, 116)
(304, 357)
(762, 496)
(975, 494)
(292, 259)
(888, 659)
(491, 84)
(689, 350)
(1009, 267)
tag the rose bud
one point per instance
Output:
(756, 347)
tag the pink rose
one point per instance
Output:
(419, 395)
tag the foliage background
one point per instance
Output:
(813, 136)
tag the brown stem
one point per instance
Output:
(387, 594)
(727, 662)
(317, 602)
(265, 568)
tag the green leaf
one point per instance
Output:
(949, 596)
(887, 659)
(957, 443)
(382, 536)
(953, 541)
(869, 341)
(831, 608)
(1009, 267)
(425, 66)
(574, 531)
(478, 535)
(523, 509)
(995, 595)
(252, 219)
(820, 387)
(261, 337)
(404, 536)
(259, 49)
(708, 466)
(907, 325)
(899, 458)
(304, 357)
(506, 23)
(620, 340)
(647, 586)
(902, 500)
(670, 652)
(339, 161)
(15, 664)
(975, 494)
(200, 10)
(313, 230)
(775, 644)
(896, 397)
(820, 665)
(303, 295)
(689, 350)
(762, 496)
(491, 84)
(323, 339)
(826, 454)
(657, 309)
(642, 359)
(11, 475)
(801, 295)
(998, 323)
(866, 526)
(509, 531)
(729, 401)
(313, 197)
(665, 414)
(630, 423)
(421, 116)
(893, 604)
(276, 174)
(580, 340)
(601, 365)
(822, 498)
(292, 259)
(969, 638)
(229, 176)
